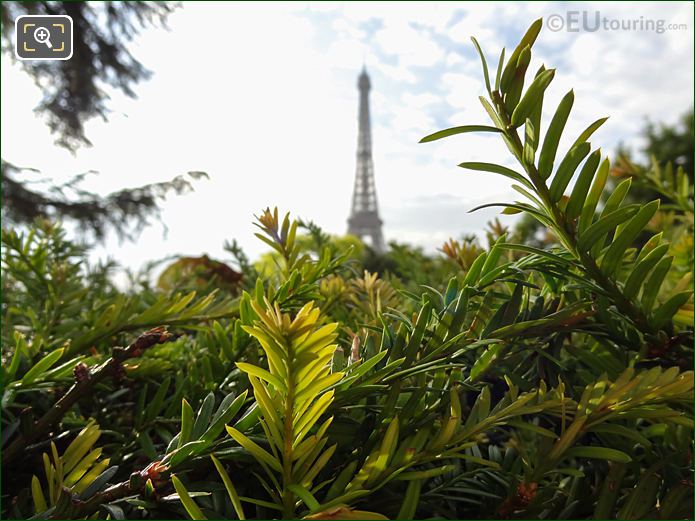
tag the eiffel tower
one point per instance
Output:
(364, 218)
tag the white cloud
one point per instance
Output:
(478, 22)
(462, 92)
(419, 101)
(434, 15)
(412, 46)
(396, 73)
(453, 59)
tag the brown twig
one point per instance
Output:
(84, 381)
(70, 507)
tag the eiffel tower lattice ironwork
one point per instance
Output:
(364, 218)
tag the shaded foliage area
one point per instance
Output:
(502, 379)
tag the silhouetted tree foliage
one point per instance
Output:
(126, 211)
(75, 91)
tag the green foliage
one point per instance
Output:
(72, 473)
(521, 378)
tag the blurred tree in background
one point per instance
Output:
(672, 143)
(76, 91)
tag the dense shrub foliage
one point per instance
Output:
(518, 379)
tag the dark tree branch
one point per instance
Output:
(124, 211)
(75, 90)
(85, 380)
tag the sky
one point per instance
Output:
(263, 97)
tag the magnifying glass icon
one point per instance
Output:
(43, 35)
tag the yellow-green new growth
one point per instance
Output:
(292, 394)
(74, 471)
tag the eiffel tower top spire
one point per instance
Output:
(364, 218)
